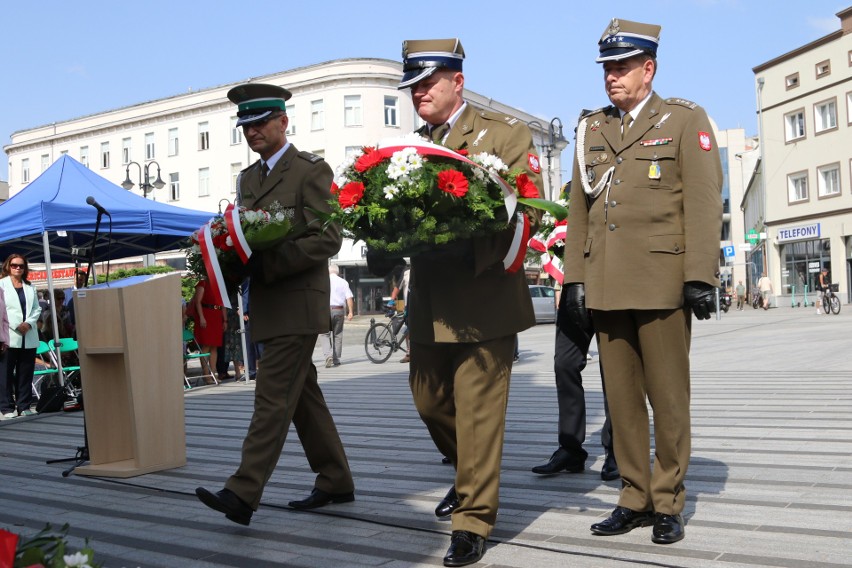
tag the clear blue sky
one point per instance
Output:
(66, 59)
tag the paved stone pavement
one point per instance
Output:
(770, 481)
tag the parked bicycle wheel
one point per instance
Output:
(835, 305)
(379, 343)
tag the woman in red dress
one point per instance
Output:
(210, 322)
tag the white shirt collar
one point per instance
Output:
(275, 157)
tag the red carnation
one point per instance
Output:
(369, 159)
(350, 194)
(452, 181)
(525, 186)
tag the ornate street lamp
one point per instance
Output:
(146, 186)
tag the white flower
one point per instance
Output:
(76, 560)
(390, 191)
(229, 241)
(279, 216)
(397, 171)
(415, 161)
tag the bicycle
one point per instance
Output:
(830, 301)
(384, 338)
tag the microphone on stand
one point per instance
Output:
(91, 201)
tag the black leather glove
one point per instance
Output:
(699, 296)
(572, 316)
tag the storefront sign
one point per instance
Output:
(40, 276)
(805, 232)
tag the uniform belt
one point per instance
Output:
(336, 307)
(212, 307)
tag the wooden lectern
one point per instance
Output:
(130, 336)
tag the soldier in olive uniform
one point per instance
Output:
(464, 308)
(645, 218)
(289, 306)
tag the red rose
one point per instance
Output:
(525, 186)
(369, 159)
(452, 181)
(334, 188)
(350, 194)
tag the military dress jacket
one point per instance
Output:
(657, 220)
(290, 288)
(464, 294)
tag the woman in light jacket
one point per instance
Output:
(22, 310)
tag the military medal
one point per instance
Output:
(590, 174)
(655, 142)
(654, 170)
(595, 125)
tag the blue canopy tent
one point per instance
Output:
(50, 216)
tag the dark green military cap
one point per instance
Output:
(257, 101)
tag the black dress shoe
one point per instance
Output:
(319, 498)
(559, 461)
(465, 548)
(667, 529)
(448, 504)
(226, 501)
(609, 471)
(623, 520)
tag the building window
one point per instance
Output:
(203, 182)
(203, 136)
(391, 111)
(125, 151)
(825, 116)
(792, 81)
(149, 146)
(352, 110)
(317, 115)
(320, 152)
(352, 151)
(797, 187)
(25, 170)
(45, 161)
(174, 187)
(84, 155)
(794, 125)
(236, 132)
(173, 142)
(236, 168)
(828, 180)
(291, 124)
(104, 155)
(823, 69)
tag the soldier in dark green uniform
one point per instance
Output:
(464, 308)
(642, 252)
(289, 305)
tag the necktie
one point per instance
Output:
(626, 121)
(438, 132)
(264, 171)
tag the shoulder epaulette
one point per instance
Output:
(586, 112)
(506, 119)
(682, 102)
(312, 158)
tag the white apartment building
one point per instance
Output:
(192, 142)
(800, 196)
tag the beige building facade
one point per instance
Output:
(799, 199)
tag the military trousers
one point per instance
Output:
(287, 391)
(461, 391)
(645, 356)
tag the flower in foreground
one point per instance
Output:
(453, 182)
(525, 186)
(76, 560)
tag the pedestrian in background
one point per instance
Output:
(22, 312)
(741, 292)
(647, 192)
(341, 305)
(764, 285)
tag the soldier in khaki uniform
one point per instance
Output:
(289, 305)
(643, 248)
(464, 308)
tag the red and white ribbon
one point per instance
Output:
(553, 266)
(211, 264)
(514, 259)
(235, 230)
